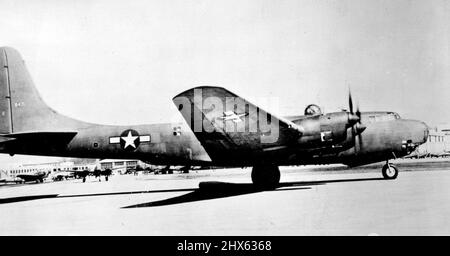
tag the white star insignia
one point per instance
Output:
(129, 140)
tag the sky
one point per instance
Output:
(121, 62)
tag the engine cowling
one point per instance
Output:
(326, 130)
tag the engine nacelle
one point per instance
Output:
(325, 130)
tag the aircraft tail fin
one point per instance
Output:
(230, 127)
(21, 107)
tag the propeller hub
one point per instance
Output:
(360, 128)
(353, 119)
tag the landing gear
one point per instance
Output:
(389, 171)
(265, 176)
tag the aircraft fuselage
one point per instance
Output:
(176, 144)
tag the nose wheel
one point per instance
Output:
(389, 171)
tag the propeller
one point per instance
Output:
(354, 119)
(350, 101)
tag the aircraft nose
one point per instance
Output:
(421, 129)
(425, 130)
(414, 133)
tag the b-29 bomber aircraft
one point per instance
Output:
(220, 129)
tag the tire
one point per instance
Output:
(266, 177)
(389, 173)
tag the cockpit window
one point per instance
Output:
(395, 115)
(383, 117)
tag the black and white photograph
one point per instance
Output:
(256, 118)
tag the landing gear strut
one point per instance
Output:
(389, 171)
(265, 176)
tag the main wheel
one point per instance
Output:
(390, 171)
(266, 176)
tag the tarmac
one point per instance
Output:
(311, 200)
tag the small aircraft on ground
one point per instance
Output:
(82, 174)
(37, 177)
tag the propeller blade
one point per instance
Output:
(350, 101)
(359, 127)
(360, 141)
(354, 120)
(358, 114)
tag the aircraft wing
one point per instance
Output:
(229, 126)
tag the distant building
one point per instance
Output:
(122, 166)
(437, 144)
(118, 166)
(13, 171)
(446, 132)
(3, 175)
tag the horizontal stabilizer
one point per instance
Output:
(37, 140)
(5, 139)
(40, 134)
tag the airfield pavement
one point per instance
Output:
(312, 200)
